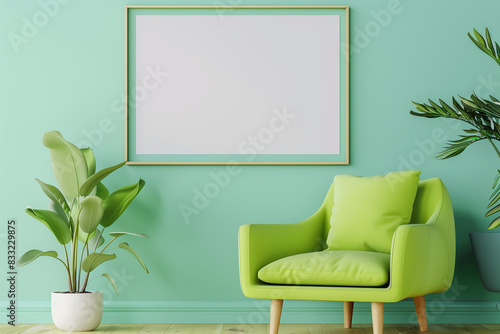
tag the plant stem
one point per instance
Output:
(98, 239)
(494, 146)
(85, 245)
(84, 286)
(72, 267)
(74, 249)
(109, 243)
(67, 268)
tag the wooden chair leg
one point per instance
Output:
(348, 314)
(378, 318)
(421, 314)
(276, 306)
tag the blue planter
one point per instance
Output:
(486, 248)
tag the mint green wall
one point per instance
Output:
(70, 74)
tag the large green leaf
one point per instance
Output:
(90, 160)
(126, 246)
(55, 207)
(94, 260)
(54, 195)
(32, 255)
(93, 180)
(119, 234)
(91, 213)
(112, 281)
(84, 236)
(101, 191)
(118, 201)
(56, 224)
(68, 163)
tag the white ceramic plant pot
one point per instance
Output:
(77, 312)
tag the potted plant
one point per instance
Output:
(483, 119)
(81, 209)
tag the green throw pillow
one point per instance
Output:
(367, 210)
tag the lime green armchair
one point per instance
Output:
(422, 258)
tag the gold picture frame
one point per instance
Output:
(133, 158)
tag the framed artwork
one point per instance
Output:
(250, 85)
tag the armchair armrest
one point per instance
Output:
(261, 244)
(420, 261)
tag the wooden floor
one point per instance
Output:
(257, 329)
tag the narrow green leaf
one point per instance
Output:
(112, 281)
(90, 159)
(68, 163)
(424, 110)
(432, 110)
(54, 195)
(119, 234)
(101, 191)
(478, 44)
(453, 149)
(488, 40)
(416, 104)
(497, 189)
(493, 211)
(126, 246)
(118, 201)
(437, 108)
(456, 104)
(494, 223)
(91, 213)
(468, 102)
(479, 38)
(95, 259)
(92, 181)
(479, 103)
(464, 139)
(426, 115)
(422, 107)
(448, 109)
(32, 255)
(55, 224)
(494, 200)
(495, 182)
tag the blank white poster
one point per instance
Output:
(238, 84)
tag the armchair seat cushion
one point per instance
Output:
(337, 268)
